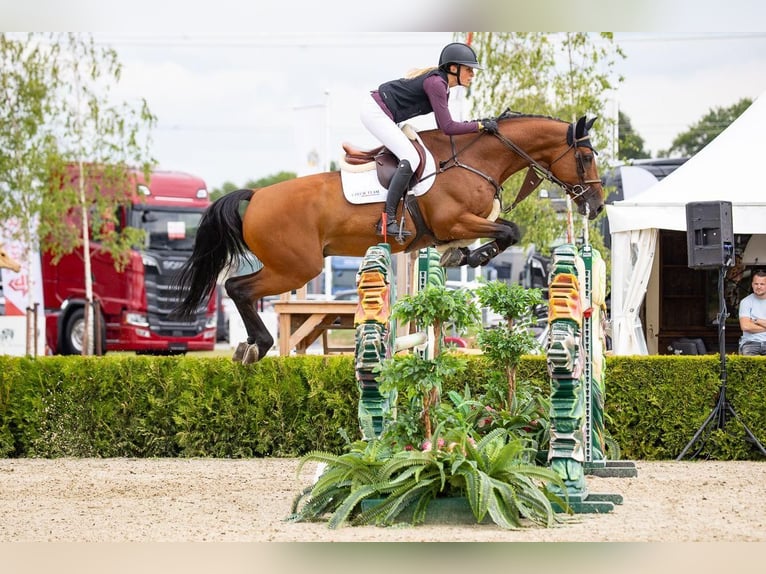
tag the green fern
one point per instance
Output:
(493, 474)
(478, 488)
(349, 504)
(419, 492)
(502, 508)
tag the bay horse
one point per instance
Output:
(293, 225)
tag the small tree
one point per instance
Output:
(103, 140)
(417, 376)
(438, 307)
(505, 345)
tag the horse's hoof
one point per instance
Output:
(482, 255)
(251, 355)
(454, 257)
(239, 352)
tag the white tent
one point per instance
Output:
(724, 170)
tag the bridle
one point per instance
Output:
(583, 186)
(537, 172)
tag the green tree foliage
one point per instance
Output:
(104, 138)
(505, 345)
(630, 144)
(437, 306)
(57, 96)
(65, 140)
(25, 103)
(705, 130)
(563, 75)
(228, 186)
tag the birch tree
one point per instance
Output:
(68, 141)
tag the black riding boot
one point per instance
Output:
(396, 190)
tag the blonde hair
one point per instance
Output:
(418, 72)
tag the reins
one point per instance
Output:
(456, 163)
(574, 191)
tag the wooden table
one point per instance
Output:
(301, 322)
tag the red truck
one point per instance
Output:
(134, 304)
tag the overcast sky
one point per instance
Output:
(227, 105)
(229, 79)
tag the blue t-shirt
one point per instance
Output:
(753, 307)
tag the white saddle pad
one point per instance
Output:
(361, 185)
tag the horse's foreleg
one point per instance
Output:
(469, 227)
(259, 340)
(507, 234)
(511, 235)
(482, 255)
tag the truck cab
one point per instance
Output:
(134, 304)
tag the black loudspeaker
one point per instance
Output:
(709, 234)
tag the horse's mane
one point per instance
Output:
(574, 137)
(511, 115)
(508, 114)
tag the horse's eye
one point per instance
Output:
(587, 159)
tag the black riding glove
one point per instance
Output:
(488, 125)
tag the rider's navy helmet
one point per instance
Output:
(458, 53)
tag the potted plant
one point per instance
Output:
(506, 344)
(438, 307)
(492, 476)
(434, 452)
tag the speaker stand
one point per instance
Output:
(718, 416)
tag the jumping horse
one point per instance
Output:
(293, 225)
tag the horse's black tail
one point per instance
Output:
(219, 243)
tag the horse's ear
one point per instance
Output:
(589, 124)
(580, 129)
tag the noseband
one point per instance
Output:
(583, 187)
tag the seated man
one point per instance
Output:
(752, 318)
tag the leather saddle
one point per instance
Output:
(385, 161)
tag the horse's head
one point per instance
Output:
(577, 172)
(568, 160)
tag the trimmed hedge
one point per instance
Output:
(172, 406)
(126, 406)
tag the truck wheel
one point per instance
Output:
(74, 332)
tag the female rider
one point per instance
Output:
(399, 100)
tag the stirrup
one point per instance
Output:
(393, 230)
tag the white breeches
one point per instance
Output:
(388, 133)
